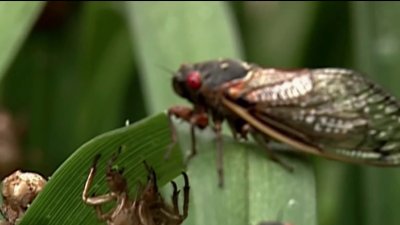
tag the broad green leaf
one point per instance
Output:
(168, 34)
(60, 202)
(16, 19)
(256, 188)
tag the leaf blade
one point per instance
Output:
(16, 18)
(144, 140)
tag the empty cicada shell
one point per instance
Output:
(147, 207)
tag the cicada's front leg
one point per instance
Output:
(197, 118)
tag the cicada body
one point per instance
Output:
(331, 112)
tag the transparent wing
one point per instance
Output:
(336, 110)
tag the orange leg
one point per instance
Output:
(197, 118)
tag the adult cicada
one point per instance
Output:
(331, 112)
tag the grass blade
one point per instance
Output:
(377, 53)
(16, 19)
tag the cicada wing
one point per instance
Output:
(267, 130)
(334, 110)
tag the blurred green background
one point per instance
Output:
(70, 71)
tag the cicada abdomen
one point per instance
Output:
(332, 112)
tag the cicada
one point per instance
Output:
(335, 113)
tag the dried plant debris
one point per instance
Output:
(18, 191)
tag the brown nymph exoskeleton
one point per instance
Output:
(146, 208)
(18, 192)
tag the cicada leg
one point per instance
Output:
(175, 214)
(175, 196)
(262, 142)
(181, 112)
(197, 119)
(193, 150)
(186, 190)
(238, 129)
(220, 153)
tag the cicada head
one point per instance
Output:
(193, 81)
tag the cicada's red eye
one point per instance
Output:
(193, 80)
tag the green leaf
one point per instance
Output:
(60, 202)
(256, 188)
(16, 19)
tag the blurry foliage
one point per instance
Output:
(71, 71)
